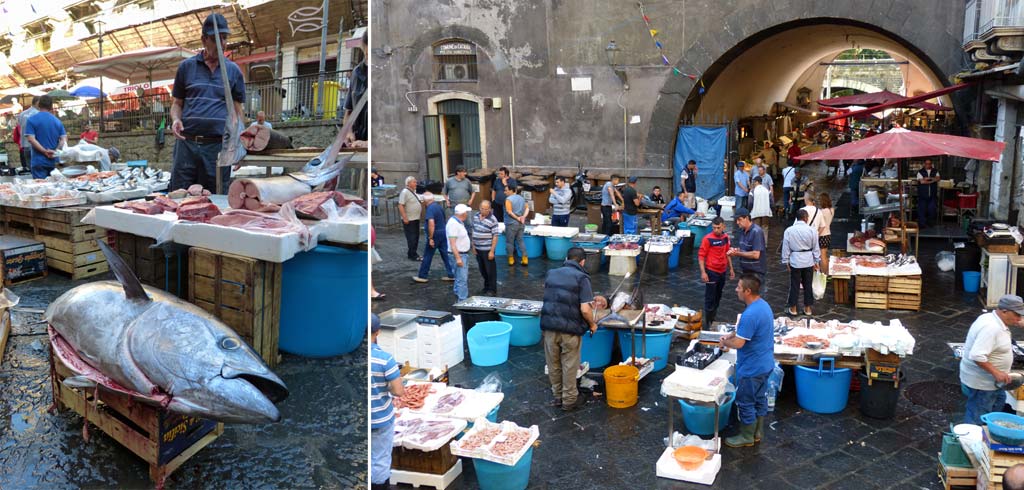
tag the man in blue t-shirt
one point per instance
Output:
(45, 134)
(385, 383)
(742, 185)
(437, 240)
(755, 359)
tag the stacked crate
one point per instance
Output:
(871, 292)
(70, 245)
(905, 293)
(152, 265)
(243, 293)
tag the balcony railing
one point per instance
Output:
(1000, 13)
(286, 99)
(971, 21)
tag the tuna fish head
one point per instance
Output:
(206, 368)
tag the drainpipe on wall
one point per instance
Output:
(625, 122)
(512, 131)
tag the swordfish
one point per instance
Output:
(165, 350)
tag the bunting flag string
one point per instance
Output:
(661, 49)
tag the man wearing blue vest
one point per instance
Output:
(566, 316)
(199, 112)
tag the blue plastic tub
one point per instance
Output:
(525, 329)
(499, 248)
(658, 345)
(496, 476)
(1005, 435)
(823, 390)
(556, 247)
(597, 350)
(972, 281)
(316, 320)
(701, 420)
(488, 343)
(698, 233)
(534, 246)
(673, 258)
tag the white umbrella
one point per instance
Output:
(151, 63)
(109, 85)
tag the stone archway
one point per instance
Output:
(713, 51)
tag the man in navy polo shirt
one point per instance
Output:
(199, 112)
(754, 342)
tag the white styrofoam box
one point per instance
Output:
(407, 349)
(416, 479)
(445, 341)
(554, 231)
(429, 358)
(449, 334)
(123, 220)
(387, 341)
(341, 232)
(667, 467)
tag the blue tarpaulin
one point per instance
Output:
(705, 145)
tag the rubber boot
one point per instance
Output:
(710, 316)
(759, 429)
(526, 261)
(745, 438)
(511, 260)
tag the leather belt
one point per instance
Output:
(204, 139)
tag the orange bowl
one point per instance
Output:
(690, 457)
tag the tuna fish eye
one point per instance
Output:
(228, 343)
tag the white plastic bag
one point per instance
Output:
(946, 260)
(818, 284)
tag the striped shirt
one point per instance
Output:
(202, 89)
(484, 230)
(383, 370)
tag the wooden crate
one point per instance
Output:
(433, 462)
(153, 266)
(952, 476)
(244, 293)
(904, 301)
(875, 284)
(841, 290)
(164, 440)
(70, 245)
(870, 300)
(905, 285)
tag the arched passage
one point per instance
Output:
(744, 73)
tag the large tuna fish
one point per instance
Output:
(163, 348)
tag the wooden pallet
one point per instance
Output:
(994, 465)
(904, 301)
(873, 284)
(841, 290)
(953, 476)
(871, 300)
(905, 285)
(242, 292)
(164, 440)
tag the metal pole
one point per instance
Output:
(512, 131)
(341, 35)
(102, 95)
(323, 64)
(276, 93)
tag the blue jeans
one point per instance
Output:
(196, 163)
(380, 453)
(461, 276)
(980, 402)
(441, 245)
(560, 220)
(41, 171)
(628, 224)
(752, 398)
(787, 194)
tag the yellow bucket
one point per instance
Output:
(620, 386)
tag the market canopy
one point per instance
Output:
(909, 100)
(152, 63)
(878, 98)
(903, 143)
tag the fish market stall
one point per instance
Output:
(881, 282)
(623, 250)
(431, 420)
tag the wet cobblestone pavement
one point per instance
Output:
(319, 443)
(599, 447)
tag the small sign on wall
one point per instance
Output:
(580, 84)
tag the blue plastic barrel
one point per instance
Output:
(658, 345)
(698, 233)
(534, 246)
(317, 321)
(701, 420)
(597, 350)
(496, 476)
(823, 390)
(673, 258)
(525, 329)
(972, 281)
(488, 343)
(499, 248)
(556, 247)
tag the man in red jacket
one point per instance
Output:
(714, 259)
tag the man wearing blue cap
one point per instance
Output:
(199, 113)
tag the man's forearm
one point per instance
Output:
(176, 111)
(988, 367)
(401, 211)
(35, 144)
(588, 315)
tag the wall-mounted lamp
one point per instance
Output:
(612, 51)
